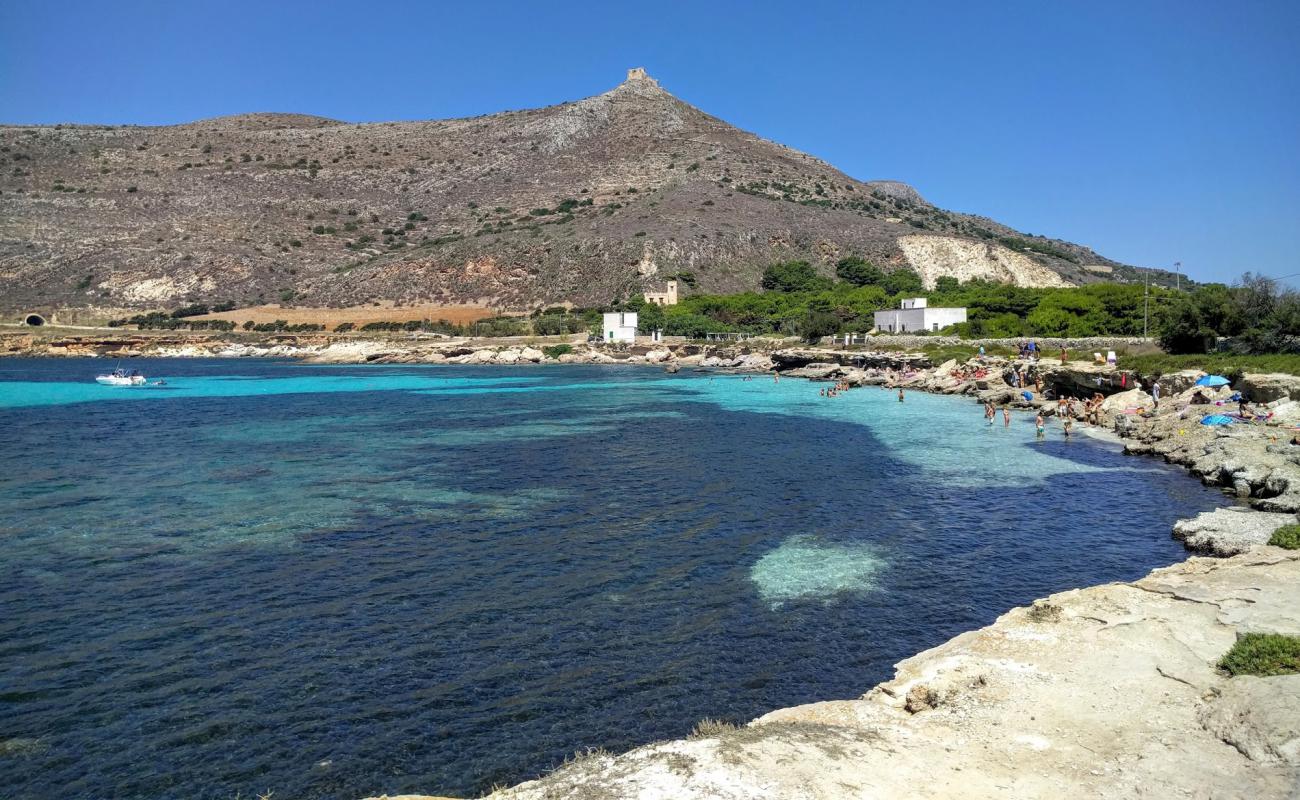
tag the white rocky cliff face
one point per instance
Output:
(935, 257)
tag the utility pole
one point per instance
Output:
(1178, 275)
(1146, 301)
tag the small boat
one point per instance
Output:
(120, 377)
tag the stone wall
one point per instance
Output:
(1047, 344)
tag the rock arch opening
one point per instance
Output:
(35, 320)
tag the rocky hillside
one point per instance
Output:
(582, 202)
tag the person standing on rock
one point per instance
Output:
(1155, 392)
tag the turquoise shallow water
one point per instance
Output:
(339, 581)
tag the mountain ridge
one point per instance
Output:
(581, 202)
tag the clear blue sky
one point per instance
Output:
(1153, 131)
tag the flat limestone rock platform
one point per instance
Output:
(1229, 531)
(1109, 691)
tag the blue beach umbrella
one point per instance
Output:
(1216, 419)
(1213, 380)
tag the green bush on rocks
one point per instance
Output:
(1263, 654)
(1287, 537)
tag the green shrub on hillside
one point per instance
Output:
(556, 350)
(196, 310)
(859, 272)
(793, 276)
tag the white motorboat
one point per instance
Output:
(120, 377)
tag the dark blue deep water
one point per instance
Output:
(337, 581)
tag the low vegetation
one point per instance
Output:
(282, 326)
(1286, 537)
(1228, 364)
(711, 728)
(558, 320)
(160, 320)
(427, 326)
(492, 326)
(1263, 654)
(1253, 318)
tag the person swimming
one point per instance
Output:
(900, 394)
(1006, 417)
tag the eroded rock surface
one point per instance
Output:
(1229, 531)
(1110, 691)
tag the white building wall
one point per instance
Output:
(916, 320)
(620, 326)
(943, 317)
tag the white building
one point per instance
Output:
(620, 326)
(914, 317)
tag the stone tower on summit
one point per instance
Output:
(639, 74)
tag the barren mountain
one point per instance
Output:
(583, 202)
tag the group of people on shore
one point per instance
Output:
(969, 372)
(1023, 377)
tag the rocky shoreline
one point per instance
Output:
(1108, 691)
(1254, 462)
